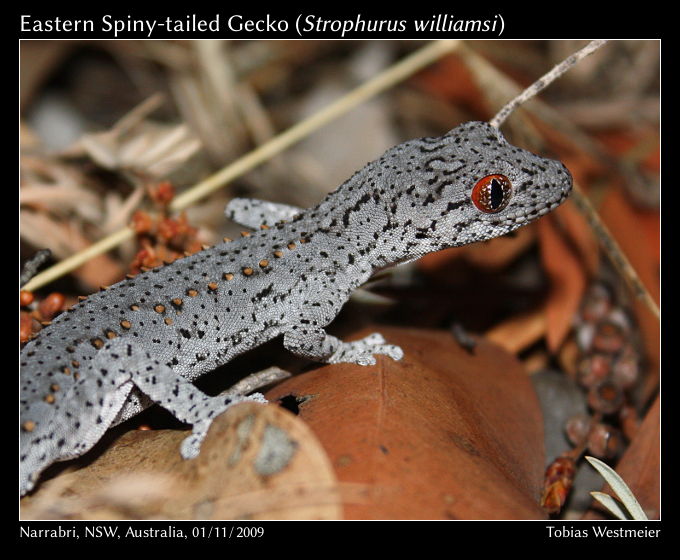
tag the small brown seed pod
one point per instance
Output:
(605, 398)
(604, 441)
(577, 428)
(594, 369)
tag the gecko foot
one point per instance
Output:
(362, 351)
(191, 446)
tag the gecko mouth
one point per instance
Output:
(523, 215)
(527, 214)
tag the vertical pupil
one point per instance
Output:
(496, 193)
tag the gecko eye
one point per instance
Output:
(492, 193)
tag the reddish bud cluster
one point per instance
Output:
(163, 238)
(558, 480)
(34, 314)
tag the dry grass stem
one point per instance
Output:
(544, 81)
(380, 83)
(383, 81)
(258, 380)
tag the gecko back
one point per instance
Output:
(144, 339)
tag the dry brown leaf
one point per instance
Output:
(441, 434)
(65, 239)
(638, 234)
(58, 187)
(450, 78)
(436, 264)
(567, 276)
(257, 462)
(150, 149)
(494, 254)
(501, 251)
(518, 332)
(581, 239)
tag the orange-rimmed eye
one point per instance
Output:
(492, 193)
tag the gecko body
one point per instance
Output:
(143, 340)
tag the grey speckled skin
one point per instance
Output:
(144, 339)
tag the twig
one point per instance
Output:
(498, 86)
(609, 244)
(134, 117)
(386, 79)
(257, 380)
(32, 265)
(544, 81)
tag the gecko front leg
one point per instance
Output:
(316, 344)
(173, 392)
(305, 336)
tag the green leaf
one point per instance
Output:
(620, 488)
(611, 504)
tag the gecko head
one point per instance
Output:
(472, 185)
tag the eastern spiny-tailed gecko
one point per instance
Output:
(143, 340)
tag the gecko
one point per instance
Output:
(145, 339)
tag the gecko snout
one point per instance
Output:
(567, 180)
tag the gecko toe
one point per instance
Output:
(394, 352)
(190, 447)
